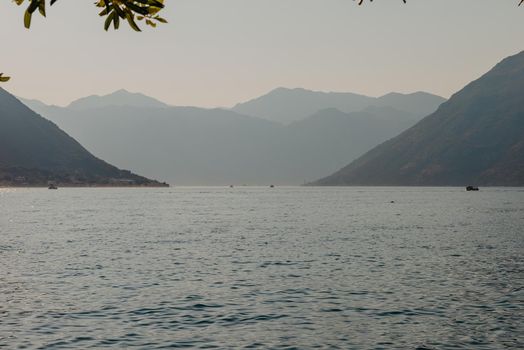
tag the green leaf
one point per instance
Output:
(27, 19)
(138, 9)
(109, 19)
(116, 22)
(33, 6)
(119, 11)
(41, 8)
(131, 22)
(3, 79)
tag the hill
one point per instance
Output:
(195, 146)
(288, 105)
(477, 137)
(34, 151)
(118, 98)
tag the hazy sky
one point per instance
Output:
(219, 52)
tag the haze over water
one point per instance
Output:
(282, 268)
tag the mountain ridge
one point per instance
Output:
(120, 97)
(286, 105)
(193, 145)
(476, 137)
(33, 151)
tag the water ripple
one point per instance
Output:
(293, 268)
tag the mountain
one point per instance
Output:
(33, 104)
(288, 105)
(118, 98)
(477, 137)
(190, 146)
(34, 151)
(323, 142)
(418, 103)
(195, 146)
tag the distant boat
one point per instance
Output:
(52, 186)
(271, 186)
(472, 188)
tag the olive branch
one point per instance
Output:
(114, 11)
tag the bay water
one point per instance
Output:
(262, 268)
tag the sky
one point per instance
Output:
(218, 53)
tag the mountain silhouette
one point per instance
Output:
(285, 105)
(118, 98)
(195, 146)
(475, 138)
(34, 150)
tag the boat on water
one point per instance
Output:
(52, 186)
(472, 188)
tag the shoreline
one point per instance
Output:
(88, 186)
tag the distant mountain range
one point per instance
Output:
(195, 146)
(118, 98)
(475, 138)
(288, 105)
(34, 151)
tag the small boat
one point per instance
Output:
(271, 186)
(472, 188)
(52, 187)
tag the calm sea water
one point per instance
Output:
(261, 268)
